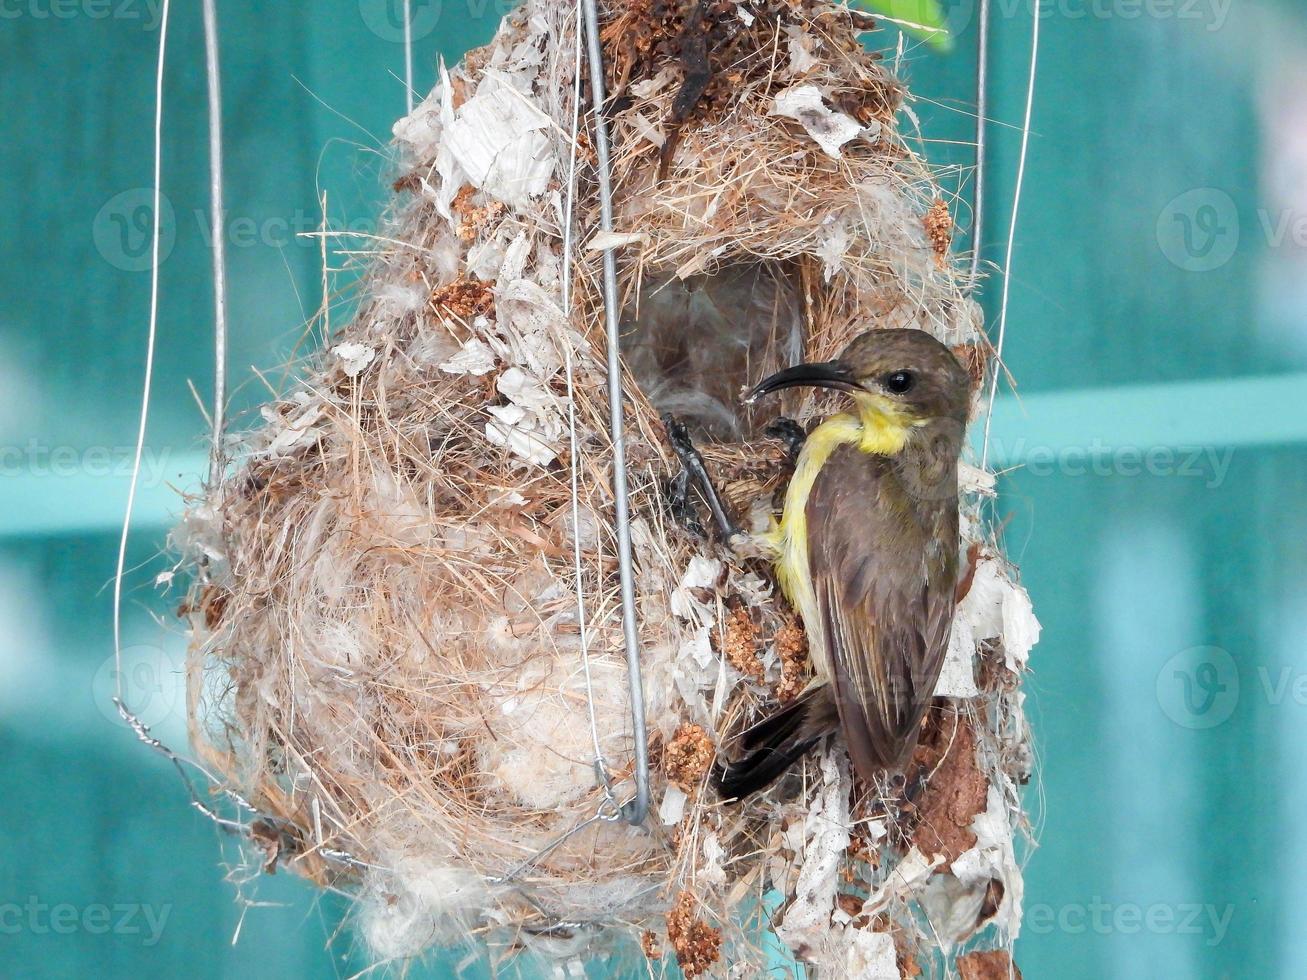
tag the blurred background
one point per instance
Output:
(1156, 452)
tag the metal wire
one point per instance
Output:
(149, 359)
(635, 810)
(605, 813)
(600, 767)
(217, 238)
(181, 763)
(982, 119)
(408, 54)
(1012, 230)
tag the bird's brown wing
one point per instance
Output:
(884, 569)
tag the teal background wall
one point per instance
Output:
(1158, 469)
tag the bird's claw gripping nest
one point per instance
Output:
(681, 507)
(695, 472)
(789, 432)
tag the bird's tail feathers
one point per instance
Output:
(759, 769)
(776, 743)
(780, 724)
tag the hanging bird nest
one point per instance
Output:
(407, 634)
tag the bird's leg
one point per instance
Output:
(789, 432)
(913, 786)
(899, 798)
(681, 506)
(678, 437)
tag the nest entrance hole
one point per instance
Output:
(694, 343)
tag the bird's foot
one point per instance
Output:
(898, 799)
(790, 433)
(694, 472)
(914, 786)
(681, 506)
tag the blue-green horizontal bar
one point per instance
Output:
(1224, 414)
(82, 492)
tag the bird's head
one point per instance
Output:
(902, 377)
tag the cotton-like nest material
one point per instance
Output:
(387, 656)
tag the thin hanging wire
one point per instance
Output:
(1012, 230)
(635, 810)
(408, 54)
(139, 727)
(141, 730)
(219, 243)
(982, 118)
(149, 365)
(600, 766)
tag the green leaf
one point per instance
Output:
(922, 18)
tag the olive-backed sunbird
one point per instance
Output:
(866, 550)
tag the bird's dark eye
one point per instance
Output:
(899, 382)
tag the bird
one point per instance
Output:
(688, 341)
(866, 551)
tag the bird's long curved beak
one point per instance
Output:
(818, 374)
